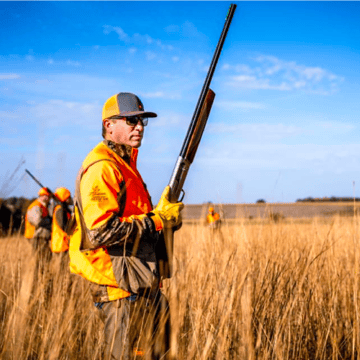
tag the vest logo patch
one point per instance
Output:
(96, 194)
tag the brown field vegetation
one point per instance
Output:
(262, 290)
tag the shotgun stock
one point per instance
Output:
(192, 140)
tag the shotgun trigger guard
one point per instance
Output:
(182, 195)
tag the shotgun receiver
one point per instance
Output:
(191, 143)
(199, 119)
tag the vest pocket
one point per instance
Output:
(135, 275)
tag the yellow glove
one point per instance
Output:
(168, 212)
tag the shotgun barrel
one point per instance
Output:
(199, 119)
(41, 185)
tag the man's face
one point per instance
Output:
(44, 199)
(122, 133)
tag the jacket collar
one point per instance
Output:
(126, 152)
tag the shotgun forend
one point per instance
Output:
(184, 160)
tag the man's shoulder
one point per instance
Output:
(100, 151)
(34, 207)
(101, 160)
(58, 212)
(58, 208)
(36, 202)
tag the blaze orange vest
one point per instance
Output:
(29, 228)
(59, 238)
(212, 218)
(99, 189)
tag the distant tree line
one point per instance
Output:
(12, 213)
(260, 201)
(328, 199)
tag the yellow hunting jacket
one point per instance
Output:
(112, 208)
(59, 238)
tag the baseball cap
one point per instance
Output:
(62, 194)
(125, 104)
(43, 191)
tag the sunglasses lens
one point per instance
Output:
(134, 120)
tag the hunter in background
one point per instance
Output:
(38, 228)
(213, 219)
(38, 221)
(61, 217)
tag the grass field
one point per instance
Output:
(259, 290)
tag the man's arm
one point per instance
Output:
(34, 216)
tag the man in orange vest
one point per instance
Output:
(118, 240)
(61, 217)
(38, 220)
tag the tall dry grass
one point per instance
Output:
(262, 290)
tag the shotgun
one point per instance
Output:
(192, 141)
(41, 185)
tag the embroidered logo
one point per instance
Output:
(97, 195)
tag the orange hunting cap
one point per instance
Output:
(211, 209)
(125, 104)
(62, 194)
(43, 191)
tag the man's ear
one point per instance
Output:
(107, 124)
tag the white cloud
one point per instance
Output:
(159, 95)
(260, 133)
(68, 62)
(335, 127)
(8, 115)
(150, 55)
(256, 132)
(262, 156)
(245, 69)
(118, 30)
(271, 73)
(72, 63)
(9, 76)
(252, 82)
(135, 38)
(185, 30)
(58, 113)
(170, 120)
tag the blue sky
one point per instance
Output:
(284, 124)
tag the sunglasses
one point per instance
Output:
(132, 120)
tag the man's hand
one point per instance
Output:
(167, 211)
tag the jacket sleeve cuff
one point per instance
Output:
(156, 219)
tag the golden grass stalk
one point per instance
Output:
(257, 290)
